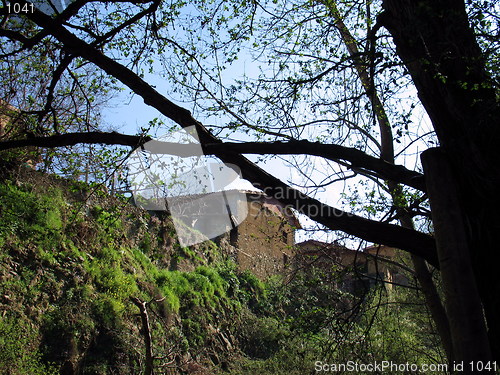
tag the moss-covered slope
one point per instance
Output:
(76, 266)
(71, 260)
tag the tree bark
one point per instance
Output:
(463, 304)
(440, 51)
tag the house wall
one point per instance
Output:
(11, 127)
(5, 112)
(263, 242)
(389, 272)
(369, 263)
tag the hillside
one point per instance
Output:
(77, 266)
(73, 259)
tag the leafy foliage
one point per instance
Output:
(290, 338)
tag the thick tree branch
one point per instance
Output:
(335, 219)
(72, 139)
(356, 158)
(391, 235)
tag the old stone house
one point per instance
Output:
(6, 112)
(13, 126)
(258, 233)
(255, 230)
(264, 242)
(383, 261)
(363, 269)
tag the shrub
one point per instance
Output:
(262, 336)
(19, 354)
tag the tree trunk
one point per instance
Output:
(440, 51)
(146, 331)
(422, 272)
(463, 305)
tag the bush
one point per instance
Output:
(19, 354)
(262, 337)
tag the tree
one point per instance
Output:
(467, 99)
(432, 47)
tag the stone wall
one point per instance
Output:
(362, 268)
(12, 126)
(264, 242)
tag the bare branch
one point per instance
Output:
(72, 139)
